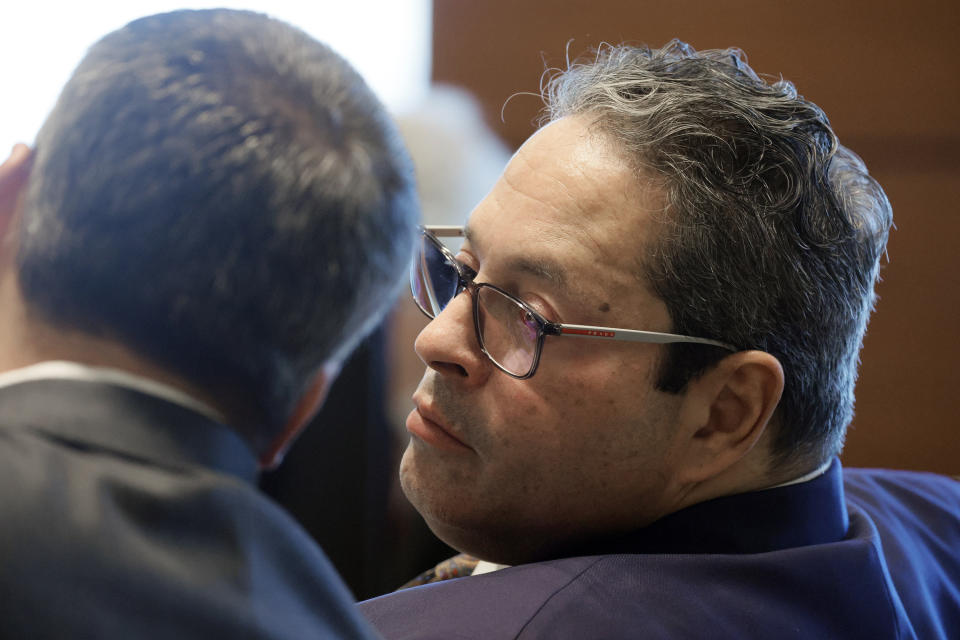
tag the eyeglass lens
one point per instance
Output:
(506, 330)
(433, 280)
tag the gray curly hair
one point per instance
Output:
(772, 234)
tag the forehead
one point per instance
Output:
(570, 199)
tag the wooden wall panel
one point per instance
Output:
(888, 75)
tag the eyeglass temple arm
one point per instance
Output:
(629, 335)
(445, 231)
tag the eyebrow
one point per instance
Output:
(541, 268)
(547, 270)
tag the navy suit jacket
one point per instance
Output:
(125, 516)
(852, 554)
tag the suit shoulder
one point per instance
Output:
(493, 605)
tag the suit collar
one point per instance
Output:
(96, 415)
(794, 515)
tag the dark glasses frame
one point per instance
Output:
(466, 280)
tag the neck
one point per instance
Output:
(755, 471)
(26, 339)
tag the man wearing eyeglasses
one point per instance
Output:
(640, 367)
(215, 212)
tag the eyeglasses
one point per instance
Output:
(510, 332)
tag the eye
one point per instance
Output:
(531, 326)
(466, 259)
(539, 305)
(528, 318)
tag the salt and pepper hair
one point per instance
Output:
(226, 196)
(772, 234)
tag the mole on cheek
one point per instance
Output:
(604, 307)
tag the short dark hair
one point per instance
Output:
(773, 232)
(223, 194)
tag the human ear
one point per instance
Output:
(14, 176)
(727, 409)
(307, 406)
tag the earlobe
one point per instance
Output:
(731, 407)
(310, 402)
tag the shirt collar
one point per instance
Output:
(65, 370)
(807, 477)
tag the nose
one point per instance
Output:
(449, 345)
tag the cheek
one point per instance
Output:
(587, 394)
(604, 416)
(539, 444)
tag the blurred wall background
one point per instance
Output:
(888, 76)
(42, 42)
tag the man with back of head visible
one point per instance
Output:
(640, 369)
(216, 210)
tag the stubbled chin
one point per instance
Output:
(434, 487)
(411, 480)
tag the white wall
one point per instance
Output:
(41, 42)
